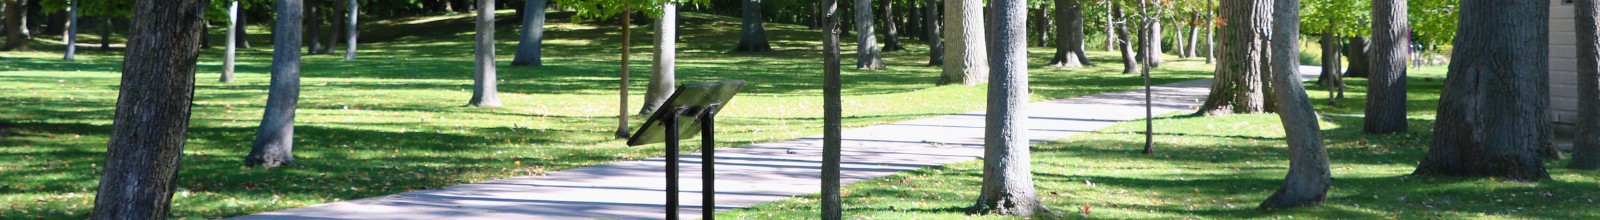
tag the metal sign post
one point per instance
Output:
(691, 105)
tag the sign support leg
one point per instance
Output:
(672, 166)
(708, 172)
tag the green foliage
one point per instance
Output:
(1342, 17)
(1434, 21)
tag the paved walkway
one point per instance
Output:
(752, 174)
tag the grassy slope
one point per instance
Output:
(394, 120)
(1222, 167)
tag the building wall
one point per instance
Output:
(1563, 63)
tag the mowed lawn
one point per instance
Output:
(395, 119)
(1221, 168)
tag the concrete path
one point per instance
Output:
(752, 174)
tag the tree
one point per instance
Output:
(313, 25)
(868, 55)
(1586, 143)
(622, 112)
(663, 67)
(1211, 32)
(350, 31)
(14, 37)
(1239, 83)
(152, 114)
(274, 143)
(1123, 40)
(752, 36)
(1355, 51)
(71, 38)
(1386, 88)
(931, 17)
(965, 60)
(891, 33)
(1007, 172)
(1150, 35)
(1069, 35)
(530, 46)
(1309, 177)
(244, 33)
(1494, 100)
(232, 45)
(485, 91)
(832, 111)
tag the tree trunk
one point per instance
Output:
(1069, 35)
(105, 33)
(933, 28)
(14, 39)
(891, 35)
(914, 24)
(868, 55)
(832, 110)
(622, 111)
(1331, 67)
(274, 144)
(231, 45)
(1153, 34)
(1308, 179)
(485, 89)
(1007, 172)
(663, 68)
(752, 34)
(350, 31)
(1211, 33)
(1111, 24)
(1586, 143)
(334, 24)
(1237, 86)
(313, 25)
(152, 114)
(1356, 53)
(243, 40)
(71, 37)
(1386, 88)
(1041, 25)
(1129, 65)
(1179, 44)
(965, 62)
(530, 48)
(1194, 35)
(1493, 103)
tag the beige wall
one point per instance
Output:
(1563, 63)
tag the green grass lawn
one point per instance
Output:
(395, 119)
(1221, 168)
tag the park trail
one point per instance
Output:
(749, 175)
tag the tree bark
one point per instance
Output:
(965, 62)
(1308, 179)
(1331, 67)
(1194, 35)
(891, 33)
(485, 89)
(1386, 88)
(274, 143)
(1238, 86)
(71, 37)
(1179, 44)
(752, 34)
(1069, 35)
(627, 42)
(1041, 25)
(1211, 33)
(105, 33)
(243, 40)
(1007, 172)
(350, 31)
(1356, 53)
(933, 28)
(1111, 24)
(152, 113)
(530, 48)
(335, 28)
(14, 39)
(1586, 143)
(1493, 103)
(1124, 42)
(914, 24)
(313, 25)
(832, 110)
(663, 69)
(868, 55)
(231, 45)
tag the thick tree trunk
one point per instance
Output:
(1007, 172)
(752, 34)
(530, 48)
(1586, 143)
(313, 26)
(966, 61)
(231, 46)
(1041, 26)
(663, 67)
(1238, 85)
(350, 31)
(1124, 42)
(1386, 88)
(832, 110)
(914, 24)
(1309, 177)
(152, 115)
(1356, 53)
(1493, 103)
(933, 28)
(485, 89)
(868, 55)
(1069, 35)
(1154, 33)
(335, 29)
(891, 34)
(14, 39)
(274, 144)
(622, 111)
(243, 40)
(71, 37)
